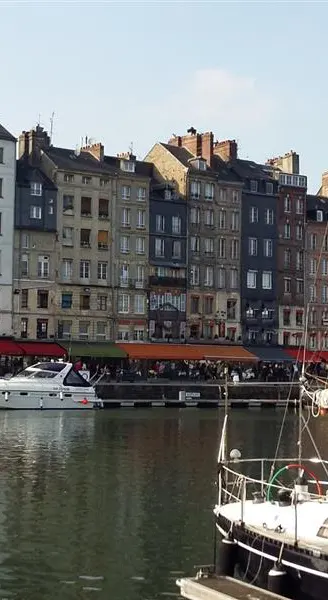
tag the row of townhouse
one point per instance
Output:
(191, 243)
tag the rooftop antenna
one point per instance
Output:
(131, 148)
(52, 126)
(39, 120)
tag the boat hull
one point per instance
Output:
(48, 400)
(257, 555)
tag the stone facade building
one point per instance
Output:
(192, 163)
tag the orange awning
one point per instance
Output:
(186, 352)
(310, 355)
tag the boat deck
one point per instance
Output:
(216, 587)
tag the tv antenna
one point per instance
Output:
(131, 148)
(52, 126)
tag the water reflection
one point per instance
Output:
(115, 504)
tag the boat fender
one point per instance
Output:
(279, 581)
(6, 396)
(41, 403)
(228, 553)
(61, 396)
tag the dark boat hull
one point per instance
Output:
(257, 554)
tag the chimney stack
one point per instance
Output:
(31, 142)
(226, 150)
(96, 150)
(198, 144)
(290, 163)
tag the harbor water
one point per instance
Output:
(116, 504)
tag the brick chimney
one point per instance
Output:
(96, 150)
(198, 144)
(290, 163)
(31, 142)
(227, 150)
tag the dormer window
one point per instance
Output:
(167, 194)
(201, 164)
(36, 188)
(320, 216)
(253, 185)
(128, 165)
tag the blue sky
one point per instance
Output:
(140, 71)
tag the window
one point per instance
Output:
(195, 216)
(125, 217)
(141, 219)
(126, 192)
(313, 241)
(51, 207)
(24, 299)
(167, 194)
(84, 269)
(0, 223)
(287, 204)
(324, 294)
(123, 334)
(209, 218)
(251, 279)
(222, 248)
(36, 188)
(35, 212)
(24, 328)
(102, 271)
(140, 276)
(176, 225)
(103, 240)
(86, 204)
(209, 276)
(141, 194)
(313, 266)
(1, 187)
(43, 266)
(85, 238)
(287, 257)
(1, 155)
(67, 269)
(299, 260)
(194, 304)
(139, 304)
(209, 191)
(269, 188)
(286, 338)
(195, 190)
(208, 305)
(235, 221)
(67, 236)
(25, 241)
(86, 180)
(286, 317)
(194, 275)
(299, 286)
(253, 214)
(124, 244)
(123, 303)
(221, 278)
(103, 212)
(84, 330)
(68, 203)
(66, 300)
(312, 293)
(42, 329)
(299, 318)
(287, 285)
(231, 309)
(176, 249)
(320, 215)
(299, 232)
(101, 302)
(124, 275)
(267, 280)
(140, 245)
(252, 246)
(269, 216)
(313, 317)
(160, 223)
(101, 330)
(325, 266)
(24, 265)
(159, 247)
(253, 185)
(287, 231)
(208, 246)
(233, 279)
(195, 244)
(68, 178)
(234, 249)
(222, 219)
(299, 206)
(267, 248)
(42, 298)
(128, 165)
(84, 302)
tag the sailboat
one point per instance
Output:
(271, 516)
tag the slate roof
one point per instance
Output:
(6, 135)
(220, 169)
(25, 173)
(316, 203)
(248, 169)
(67, 160)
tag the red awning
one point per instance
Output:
(298, 354)
(10, 348)
(50, 349)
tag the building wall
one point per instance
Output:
(7, 177)
(316, 289)
(258, 299)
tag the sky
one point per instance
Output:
(136, 72)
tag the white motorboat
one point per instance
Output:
(48, 385)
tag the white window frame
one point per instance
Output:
(35, 212)
(267, 280)
(267, 248)
(124, 304)
(252, 246)
(141, 219)
(253, 214)
(126, 217)
(36, 188)
(124, 244)
(139, 304)
(140, 245)
(43, 266)
(84, 269)
(251, 279)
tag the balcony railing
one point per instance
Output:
(169, 281)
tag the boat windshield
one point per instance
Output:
(46, 370)
(37, 374)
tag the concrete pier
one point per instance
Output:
(213, 587)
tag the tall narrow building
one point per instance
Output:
(7, 197)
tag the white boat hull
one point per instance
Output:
(35, 400)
